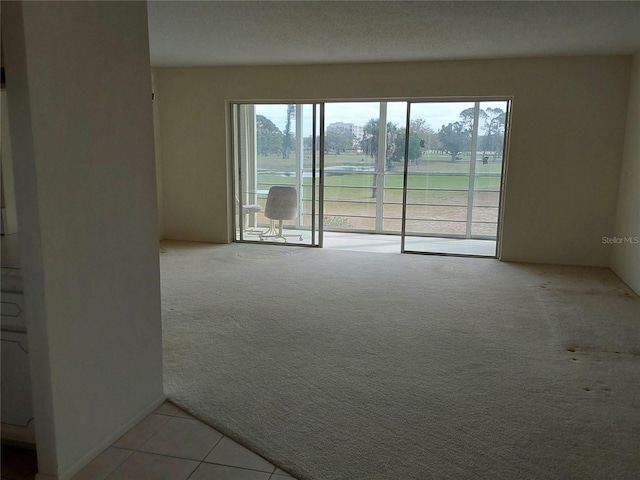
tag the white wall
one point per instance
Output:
(566, 146)
(625, 259)
(79, 95)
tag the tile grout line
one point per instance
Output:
(132, 451)
(223, 465)
(241, 468)
(213, 448)
(200, 462)
(152, 435)
(137, 450)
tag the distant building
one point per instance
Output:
(356, 130)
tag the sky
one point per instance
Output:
(436, 114)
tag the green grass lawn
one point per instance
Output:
(436, 180)
(430, 162)
(359, 187)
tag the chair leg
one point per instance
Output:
(248, 229)
(271, 231)
(277, 233)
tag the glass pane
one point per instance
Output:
(438, 178)
(394, 167)
(311, 189)
(274, 149)
(350, 154)
(454, 176)
(488, 172)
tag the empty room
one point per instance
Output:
(321, 240)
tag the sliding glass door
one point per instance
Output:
(428, 172)
(363, 157)
(276, 172)
(452, 194)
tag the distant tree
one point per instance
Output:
(422, 138)
(466, 117)
(392, 138)
(455, 138)
(432, 142)
(338, 140)
(369, 142)
(308, 142)
(415, 147)
(428, 138)
(494, 125)
(287, 140)
(269, 136)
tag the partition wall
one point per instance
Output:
(355, 169)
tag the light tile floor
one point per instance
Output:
(168, 444)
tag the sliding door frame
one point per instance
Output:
(235, 149)
(321, 172)
(318, 162)
(506, 143)
(503, 172)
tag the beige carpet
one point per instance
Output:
(343, 365)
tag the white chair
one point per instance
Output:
(282, 204)
(248, 211)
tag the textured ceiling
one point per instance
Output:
(189, 33)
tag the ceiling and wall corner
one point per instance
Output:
(184, 33)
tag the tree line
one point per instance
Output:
(456, 137)
(453, 138)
